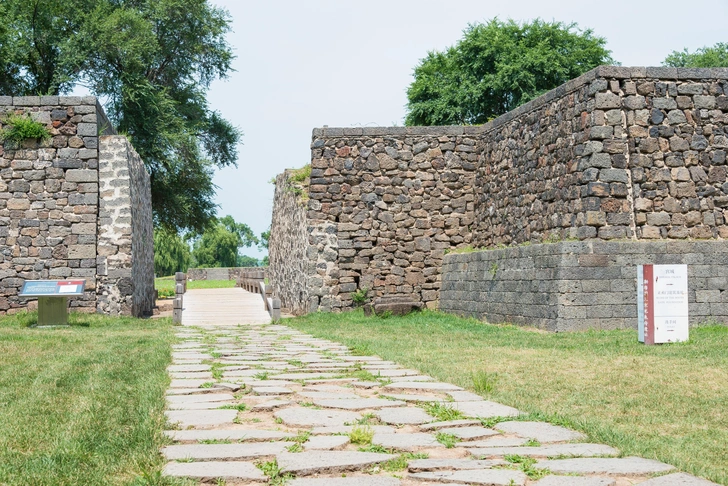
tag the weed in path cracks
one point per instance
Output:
(441, 411)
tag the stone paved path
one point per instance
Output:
(256, 403)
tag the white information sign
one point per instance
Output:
(662, 303)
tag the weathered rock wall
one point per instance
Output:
(125, 261)
(396, 199)
(288, 247)
(571, 286)
(617, 153)
(49, 200)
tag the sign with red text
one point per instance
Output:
(662, 303)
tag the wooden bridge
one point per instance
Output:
(251, 302)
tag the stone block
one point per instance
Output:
(81, 251)
(81, 175)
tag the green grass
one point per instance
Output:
(84, 404)
(662, 402)
(166, 284)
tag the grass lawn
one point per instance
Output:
(82, 405)
(665, 402)
(167, 284)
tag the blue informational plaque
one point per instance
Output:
(51, 288)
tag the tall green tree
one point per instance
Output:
(498, 66)
(220, 243)
(171, 253)
(704, 57)
(152, 62)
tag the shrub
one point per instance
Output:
(21, 127)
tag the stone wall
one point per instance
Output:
(226, 273)
(49, 199)
(618, 153)
(572, 286)
(125, 261)
(288, 247)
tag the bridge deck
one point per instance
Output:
(223, 307)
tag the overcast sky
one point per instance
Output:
(302, 64)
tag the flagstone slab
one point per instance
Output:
(346, 429)
(187, 383)
(188, 391)
(540, 431)
(190, 355)
(304, 376)
(628, 466)
(404, 416)
(194, 375)
(406, 442)
(325, 442)
(272, 390)
(320, 462)
(201, 418)
(499, 441)
(358, 403)
(448, 423)
(391, 373)
(352, 481)
(575, 481)
(484, 477)
(306, 417)
(414, 385)
(270, 405)
(425, 465)
(485, 409)
(469, 433)
(207, 397)
(248, 435)
(198, 405)
(227, 386)
(414, 398)
(320, 395)
(575, 450)
(464, 396)
(186, 368)
(415, 378)
(327, 388)
(222, 452)
(267, 383)
(678, 479)
(213, 470)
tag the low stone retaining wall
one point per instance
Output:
(228, 273)
(571, 286)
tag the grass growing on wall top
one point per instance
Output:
(662, 402)
(84, 404)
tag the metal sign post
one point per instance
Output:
(52, 298)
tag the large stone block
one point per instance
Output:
(81, 251)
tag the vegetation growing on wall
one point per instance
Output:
(19, 128)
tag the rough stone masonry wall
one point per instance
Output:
(385, 204)
(125, 262)
(572, 286)
(288, 247)
(49, 198)
(617, 153)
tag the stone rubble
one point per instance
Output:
(305, 433)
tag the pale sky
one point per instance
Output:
(302, 64)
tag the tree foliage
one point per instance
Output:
(498, 66)
(152, 61)
(705, 57)
(171, 252)
(219, 244)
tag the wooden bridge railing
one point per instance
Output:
(254, 281)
